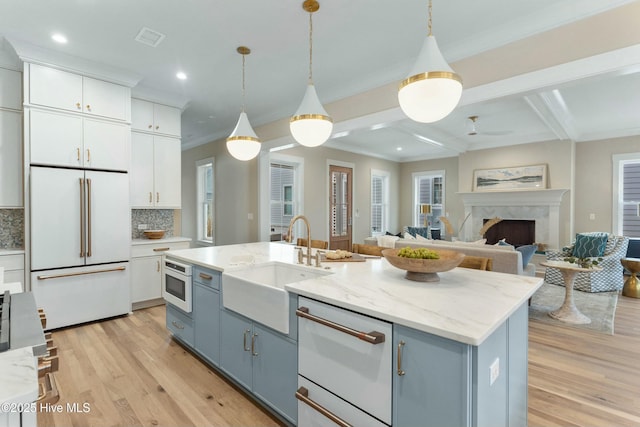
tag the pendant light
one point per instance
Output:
(243, 143)
(311, 125)
(432, 89)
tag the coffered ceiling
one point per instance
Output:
(360, 45)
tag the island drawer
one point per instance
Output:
(180, 325)
(348, 354)
(318, 407)
(206, 277)
(156, 248)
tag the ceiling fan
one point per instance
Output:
(471, 123)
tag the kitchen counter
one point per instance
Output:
(163, 240)
(11, 252)
(19, 376)
(465, 306)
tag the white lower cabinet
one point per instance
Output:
(13, 265)
(146, 272)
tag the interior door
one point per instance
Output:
(340, 207)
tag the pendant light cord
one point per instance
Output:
(310, 47)
(243, 83)
(429, 21)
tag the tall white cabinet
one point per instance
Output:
(155, 156)
(10, 138)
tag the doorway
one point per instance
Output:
(340, 207)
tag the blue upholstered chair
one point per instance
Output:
(609, 279)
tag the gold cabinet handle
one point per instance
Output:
(160, 249)
(49, 391)
(372, 337)
(81, 217)
(82, 273)
(205, 276)
(150, 197)
(78, 106)
(157, 127)
(253, 345)
(78, 150)
(150, 126)
(244, 342)
(400, 371)
(158, 266)
(88, 107)
(157, 197)
(177, 325)
(303, 395)
(88, 155)
(89, 225)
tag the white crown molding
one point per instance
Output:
(8, 57)
(160, 97)
(28, 52)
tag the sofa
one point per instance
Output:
(609, 279)
(505, 258)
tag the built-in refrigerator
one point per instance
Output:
(80, 243)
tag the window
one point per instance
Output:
(626, 180)
(379, 202)
(204, 170)
(282, 192)
(428, 189)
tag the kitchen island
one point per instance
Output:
(473, 323)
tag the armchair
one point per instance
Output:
(609, 279)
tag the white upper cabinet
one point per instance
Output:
(155, 175)
(10, 138)
(157, 118)
(72, 92)
(10, 89)
(61, 139)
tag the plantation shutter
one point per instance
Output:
(631, 200)
(377, 206)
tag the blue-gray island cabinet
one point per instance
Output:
(459, 346)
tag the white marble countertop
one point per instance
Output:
(19, 383)
(465, 306)
(163, 240)
(11, 252)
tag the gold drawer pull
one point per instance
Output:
(161, 249)
(82, 273)
(372, 337)
(303, 395)
(205, 276)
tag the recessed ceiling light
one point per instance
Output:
(181, 75)
(398, 148)
(59, 38)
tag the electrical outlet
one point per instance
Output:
(494, 371)
(592, 216)
(143, 226)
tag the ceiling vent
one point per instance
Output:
(149, 37)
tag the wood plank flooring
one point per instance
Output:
(131, 373)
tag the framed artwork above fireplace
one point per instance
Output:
(532, 177)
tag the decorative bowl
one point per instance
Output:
(424, 270)
(154, 234)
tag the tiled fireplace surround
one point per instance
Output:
(542, 206)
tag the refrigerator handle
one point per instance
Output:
(88, 217)
(81, 217)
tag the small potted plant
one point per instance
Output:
(583, 262)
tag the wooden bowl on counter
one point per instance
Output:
(154, 234)
(424, 270)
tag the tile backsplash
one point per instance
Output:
(11, 228)
(156, 219)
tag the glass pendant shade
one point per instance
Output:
(243, 143)
(432, 89)
(311, 125)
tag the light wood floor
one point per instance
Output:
(132, 373)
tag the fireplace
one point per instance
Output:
(517, 232)
(541, 206)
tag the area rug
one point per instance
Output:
(600, 307)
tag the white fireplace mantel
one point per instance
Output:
(540, 205)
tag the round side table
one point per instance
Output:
(568, 312)
(631, 286)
